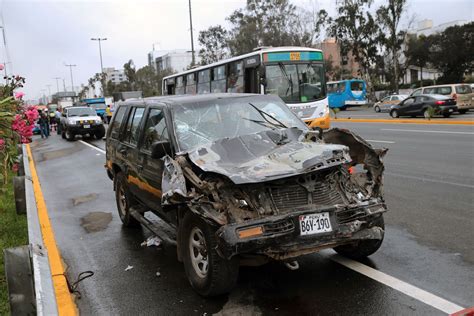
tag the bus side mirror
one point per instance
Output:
(160, 149)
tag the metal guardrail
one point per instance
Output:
(43, 283)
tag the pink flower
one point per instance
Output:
(2, 143)
(19, 95)
(2, 66)
(15, 167)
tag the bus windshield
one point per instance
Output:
(296, 83)
(201, 123)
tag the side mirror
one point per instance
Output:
(160, 149)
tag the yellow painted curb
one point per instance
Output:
(395, 121)
(64, 300)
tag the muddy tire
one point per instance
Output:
(363, 248)
(208, 273)
(124, 201)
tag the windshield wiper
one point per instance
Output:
(264, 115)
(288, 78)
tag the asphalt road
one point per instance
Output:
(369, 113)
(429, 186)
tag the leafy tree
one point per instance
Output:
(130, 72)
(146, 81)
(452, 52)
(214, 44)
(417, 53)
(389, 17)
(263, 23)
(356, 31)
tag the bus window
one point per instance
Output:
(191, 83)
(235, 79)
(180, 85)
(204, 78)
(218, 80)
(169, 87)
(357, 86)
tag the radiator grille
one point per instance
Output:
(289, 197)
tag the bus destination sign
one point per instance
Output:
(292, 56)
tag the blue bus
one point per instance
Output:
(98, 104)
(344, 93)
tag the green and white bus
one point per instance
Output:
(295, 74)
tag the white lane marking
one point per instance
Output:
(380, 141)
(91, 146)
(423, 131)
(470, 186)
(399, 285)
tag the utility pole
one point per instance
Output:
(72, 79)
(100, 51)
(49, 91)
(57, 83)
(193, 62)
(64, 85)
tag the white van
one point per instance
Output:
(460, 92)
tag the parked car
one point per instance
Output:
(240, 176)
(81, 120)
(386, 103)
(425, 105)
(461, 93)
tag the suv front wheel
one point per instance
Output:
(208, 273)
(363, 248)
(124, 201)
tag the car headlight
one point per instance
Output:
(98, 121)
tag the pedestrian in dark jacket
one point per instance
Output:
(43, 122)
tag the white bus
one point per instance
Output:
(295, 74)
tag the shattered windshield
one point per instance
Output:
(204, 122)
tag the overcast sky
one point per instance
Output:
(43, 35)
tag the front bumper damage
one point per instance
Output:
(315, 178)
(281, 238)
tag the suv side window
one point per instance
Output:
(134, 119)
(444, 90)
(155, 128)
(117, 122)
(430, 91)
(417, 92)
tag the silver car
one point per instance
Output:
(386, 103)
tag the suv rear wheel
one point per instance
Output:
(363, 248)
(124, 201)
(208, 273)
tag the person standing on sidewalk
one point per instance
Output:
(57, 115)
(108, 114)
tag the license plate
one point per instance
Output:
(87, 126)
(315, 224)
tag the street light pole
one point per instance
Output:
(193, 61)
(49, 91)
(100, 51)
(72, 80)
(57, 83)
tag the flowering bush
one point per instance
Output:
(16, 124)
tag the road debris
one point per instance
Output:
(128, 268)
(151, 241)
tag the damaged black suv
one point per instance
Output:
(240, 178)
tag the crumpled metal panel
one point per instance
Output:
(173, 183)
(267, 155)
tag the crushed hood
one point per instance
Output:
(267, 155)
